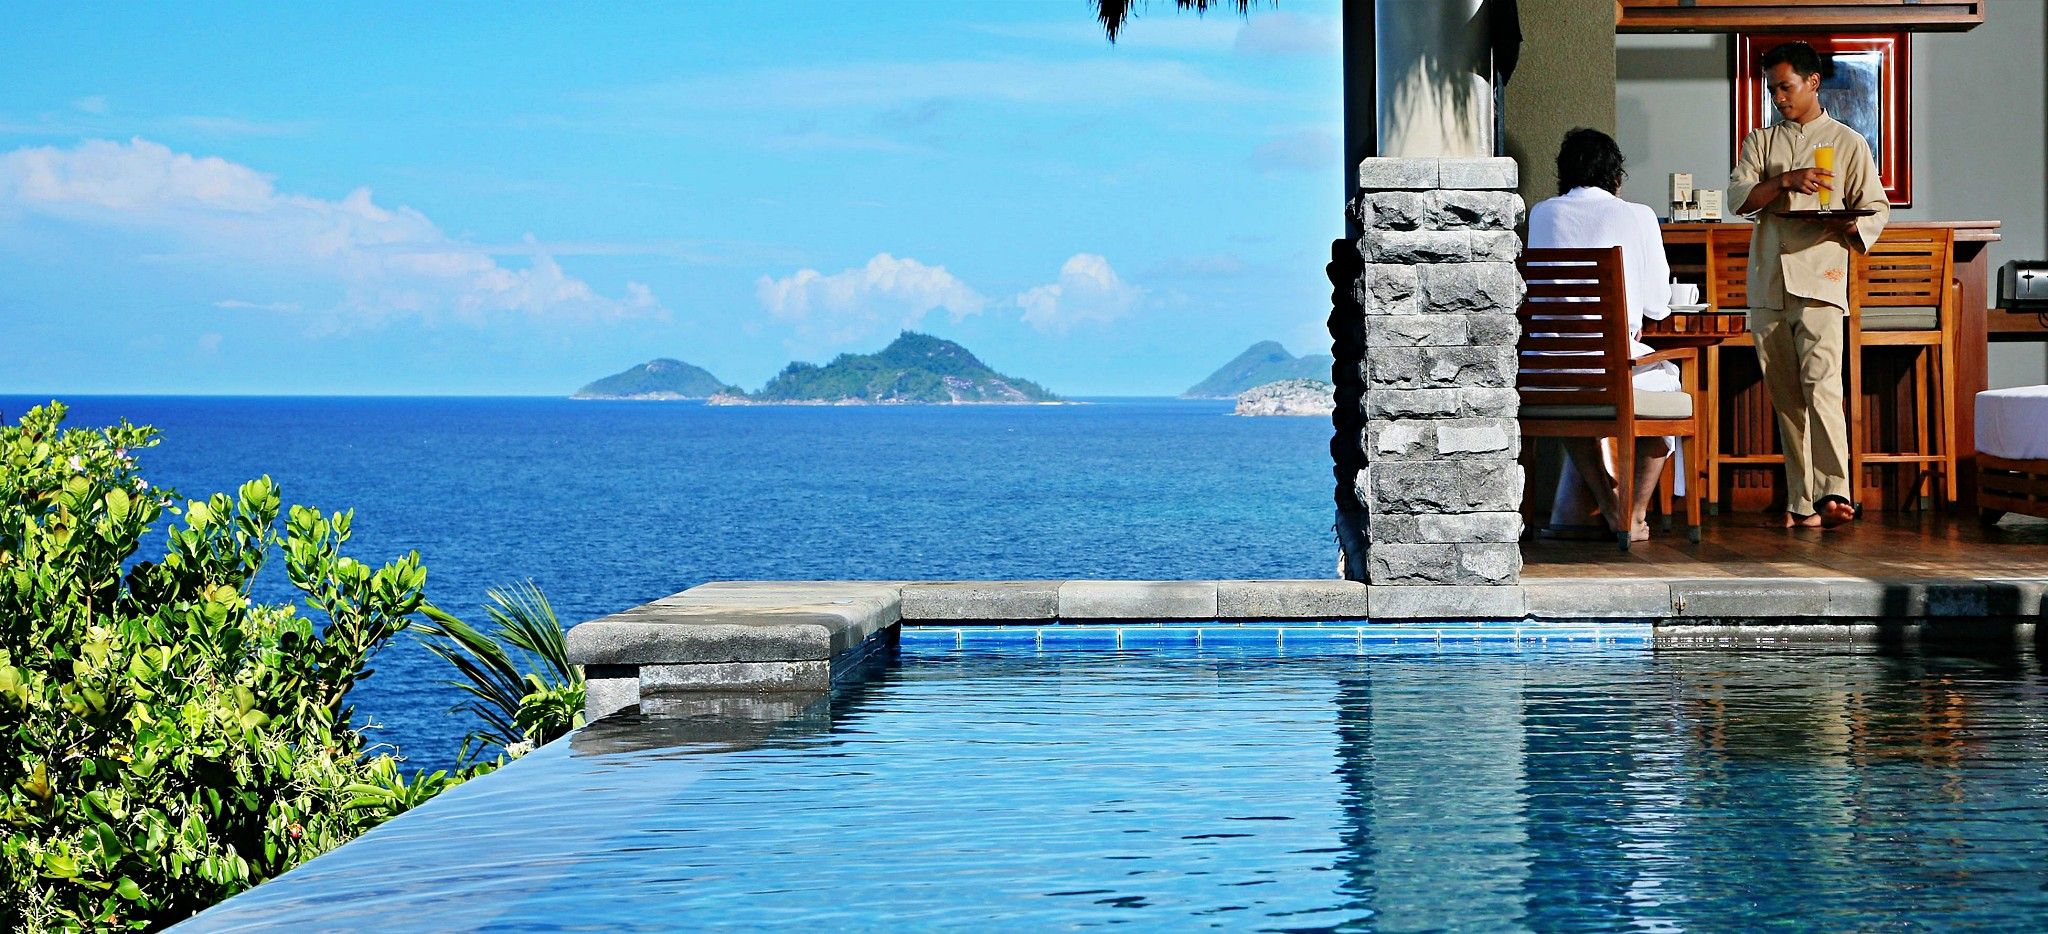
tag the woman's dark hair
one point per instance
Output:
(1589, 159)
(1803, 59)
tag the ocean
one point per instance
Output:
(607, 505)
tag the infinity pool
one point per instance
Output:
(993, 779)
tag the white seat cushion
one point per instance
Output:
(1918, 318)
(1649, 404)
(2013, 423)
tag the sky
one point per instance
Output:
(516, 199)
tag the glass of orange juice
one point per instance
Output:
(1824, 158)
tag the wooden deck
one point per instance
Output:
(1887, 546)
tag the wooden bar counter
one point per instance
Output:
(1687, 247)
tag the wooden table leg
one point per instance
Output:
(1970, 366)
(1710, 446)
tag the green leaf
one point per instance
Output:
(58, 864)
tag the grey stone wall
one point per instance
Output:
(1428, 488)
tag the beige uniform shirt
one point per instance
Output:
(1800, 257)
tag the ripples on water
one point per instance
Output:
(608, 505)
(988, 783)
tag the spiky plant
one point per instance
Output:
(518, 676)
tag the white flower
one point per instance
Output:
(141, 484)
(77, 465)
(519, 748)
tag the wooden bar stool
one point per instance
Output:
(1728, 282)
(1903, 294)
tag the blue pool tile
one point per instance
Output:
(1290, 639)
(1160, 636)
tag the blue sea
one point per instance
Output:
(607, 505)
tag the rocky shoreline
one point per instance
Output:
(725, 399)
(1288, 397)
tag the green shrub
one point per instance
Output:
(165, 741)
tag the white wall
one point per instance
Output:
(1980, 132)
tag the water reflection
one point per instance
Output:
(1324, 786)
(1840, 788)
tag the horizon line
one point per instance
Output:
(60, 397)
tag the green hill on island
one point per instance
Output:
(1262, 363)
(914, 368)
(657, 379)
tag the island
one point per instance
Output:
(1288, 397)
(660, 380)
(1261, 363)
(915, 369)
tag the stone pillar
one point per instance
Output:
(1435, 493)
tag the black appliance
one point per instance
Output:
(2023, 285)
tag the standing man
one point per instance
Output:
(1799, 275)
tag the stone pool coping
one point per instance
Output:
(780, 636)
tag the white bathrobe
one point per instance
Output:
(1589, 218)
(1586, 217)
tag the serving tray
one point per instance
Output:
(1836, 214)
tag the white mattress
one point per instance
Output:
(2013, 423)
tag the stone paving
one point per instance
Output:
(797, 636)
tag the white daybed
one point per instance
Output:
(2012, 452)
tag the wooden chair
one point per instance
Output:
(1576, 378)
(1728, 291)
(1903, 294)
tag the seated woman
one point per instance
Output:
(1588, 213)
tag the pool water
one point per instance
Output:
(993, 779)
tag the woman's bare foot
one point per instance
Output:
(1834, 511)
(1641, 533)
(1794, 520)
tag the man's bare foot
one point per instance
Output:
(1794, 520)
(1834, 511)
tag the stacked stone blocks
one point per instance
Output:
(1438, 496)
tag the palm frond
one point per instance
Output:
(1114, 13)
(526, 620)
(523, 662)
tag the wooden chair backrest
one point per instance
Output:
(1728, 266)
(1577, 304)
(1905, 268)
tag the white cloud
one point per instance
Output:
(854, 303)
(1088, 291)
(1276, 33)
(210, 215)
(96, 104)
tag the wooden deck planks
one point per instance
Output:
(1889, 546)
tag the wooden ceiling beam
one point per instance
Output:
(1640, 16)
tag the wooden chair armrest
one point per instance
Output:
(1673, 354)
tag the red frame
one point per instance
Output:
(1894, 90)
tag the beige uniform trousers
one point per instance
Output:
(1799, 347)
